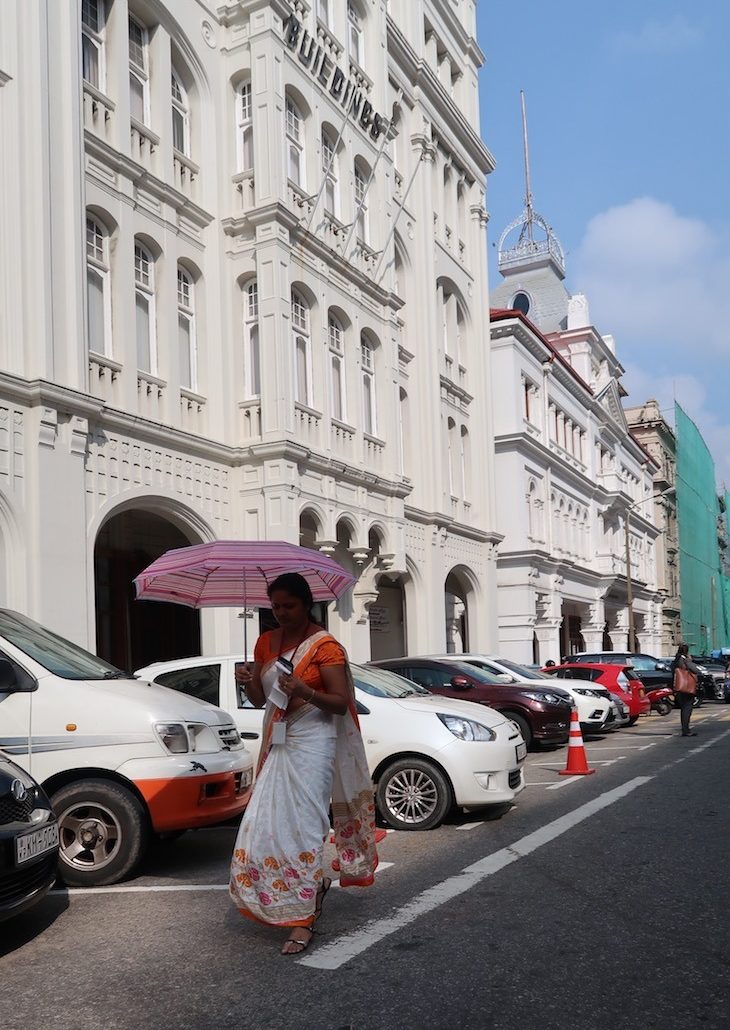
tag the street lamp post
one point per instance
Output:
(629, 584)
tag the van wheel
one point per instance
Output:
(413, 794)
(523, 725)
(103, 830)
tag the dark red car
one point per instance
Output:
(541, 710)
(621, 680)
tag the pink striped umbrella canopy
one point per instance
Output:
(237, 573)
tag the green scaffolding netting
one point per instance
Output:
(705, 591)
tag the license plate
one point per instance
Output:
(520, 751)
(31, 845)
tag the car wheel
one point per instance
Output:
(103, 830)
(633, 720)
(523, 725)
(413, 794)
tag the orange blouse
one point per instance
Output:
(328, 652)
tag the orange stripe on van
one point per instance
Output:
(186, 802)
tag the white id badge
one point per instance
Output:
(278, 733)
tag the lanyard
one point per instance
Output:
(297, 645)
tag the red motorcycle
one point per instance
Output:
(662, 700)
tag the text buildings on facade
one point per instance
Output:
(575, 472)
(239, 304)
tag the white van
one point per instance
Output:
(120, 759)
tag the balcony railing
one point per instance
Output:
(249, 415)
(98, 111)
(185, 174)
(150, 396)
(343, 440)
(307, 423)
(244, 185)
(373, 451)
(104, 379)
(144, 145)
(192, 412)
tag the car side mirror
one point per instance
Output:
(13, 679)
(460, 683)
(661, 667)
(504, 677)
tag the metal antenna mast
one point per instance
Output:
(528, 226)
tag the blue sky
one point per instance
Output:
(627, 106)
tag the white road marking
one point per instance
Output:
(169, 888)
(645, 747)
(563, 783)
(623, 747)
(470, 826)
(594, 761)
(349, 946)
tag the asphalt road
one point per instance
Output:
(595, 902)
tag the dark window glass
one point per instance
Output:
(521, 303)
(201, 681)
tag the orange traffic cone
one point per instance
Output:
(577, 761)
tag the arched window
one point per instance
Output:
(252, 362)
(404, 429)
(354, 34)
(180, 115)
(451, 446)
(331, 173)
(93, 32)
(367, 373)
(295, 148)
(144, 299)
(335, 343)
(324, 12)
(465, 461)
(186, 327)
(302, 348)
(361, 204)
(98, 287)
(139, 80)
(244, 127)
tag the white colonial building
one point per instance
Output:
(242, 281)
(569, 471)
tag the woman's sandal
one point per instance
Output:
(301, 945)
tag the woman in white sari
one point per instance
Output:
(312, 752)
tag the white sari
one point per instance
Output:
(277, 864)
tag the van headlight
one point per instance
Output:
(174, 737)
(465, 729)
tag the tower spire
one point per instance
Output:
(529, 210)
(537, 245)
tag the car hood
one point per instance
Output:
(450, 706)
(154, 702)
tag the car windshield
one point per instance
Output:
(382, 683)
(54, 653)
(476, 673)
(522, 671)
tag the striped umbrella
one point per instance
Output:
(237, 573)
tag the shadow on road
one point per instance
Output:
(22, 929)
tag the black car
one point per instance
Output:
(28, 840)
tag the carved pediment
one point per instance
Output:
(610, 400)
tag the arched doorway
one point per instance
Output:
(131, 633)
(456, 596)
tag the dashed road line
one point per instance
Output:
(563, 783)
(470, 826)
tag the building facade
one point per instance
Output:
(242, 263)
(575, 486)
(657, 437)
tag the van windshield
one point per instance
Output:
(54, 653)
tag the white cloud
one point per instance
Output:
(669, 36)
(691, 394)
(657, 280)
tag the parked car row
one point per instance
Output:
(100, 762)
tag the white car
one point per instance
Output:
(119, 759)
(425, 753)
(596, 708)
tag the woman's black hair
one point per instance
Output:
(295, 585)
(682, 649)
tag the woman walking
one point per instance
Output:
(685, 700)
(311, 752)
